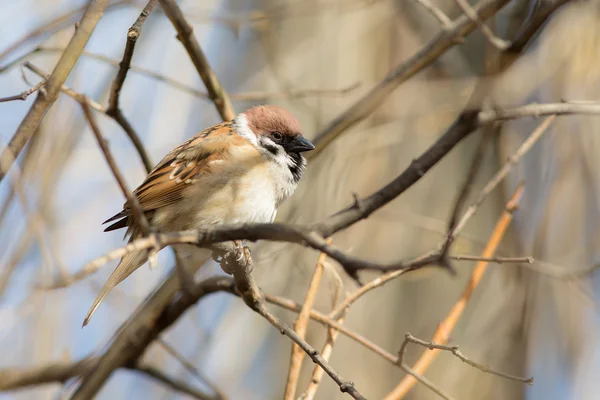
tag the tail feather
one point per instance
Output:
(128, 264)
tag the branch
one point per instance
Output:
(185, 35)
(61, 372)
(173, 382)
(446, 327)
(118, 116)
(454, 350)
(244, 96)
(435, 48)
(495, 41)
(113, 109)
(23, 95)
(500, 175)
(132, 201)
(443, 19)
(252, 296)
(60, 22)
(300, 328)
(63, 68)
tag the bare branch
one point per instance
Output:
(113, 109)
(446, 327)
(445, 22)
(498, 43)
(61, 372)
(252, 296)
(185, 34)
(497, 260)
(58, 23)
(62, 70)
(501, 174)
(132, 201)
(445, 40)
(245, 96)
(25, 94)
(173, 382)
(454, 350)
(300, 328)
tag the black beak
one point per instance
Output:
(299, 145)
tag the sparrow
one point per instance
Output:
(238, 171)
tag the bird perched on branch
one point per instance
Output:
(238, 171)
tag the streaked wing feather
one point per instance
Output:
(181, 167)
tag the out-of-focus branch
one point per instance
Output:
(532, 26)
(436, 47)
(60, 372)
(494, 40)
(497, 260)
(185, 34)
(173, 382)
(500, 175)
(58, 23)
(155, 315)
(244, 96)
(443, 19)
(300, 327)
(446, 327)
(113, 109)
(43, 102)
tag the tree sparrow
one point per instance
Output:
(238, 171)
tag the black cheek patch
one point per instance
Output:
(272, 149)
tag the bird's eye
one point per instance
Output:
(277, 136)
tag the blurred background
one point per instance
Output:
(314, 57)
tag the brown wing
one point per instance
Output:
(180, 168)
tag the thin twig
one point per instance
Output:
(300, 327)
(244, 96)
(58, 23)
(132, 201)
(117, 116)
(326, 352)
(63, 68)
(113, 110)
(252, 296)
(445, 22)
(185, 34)
(435, 48)
(454, 350)
(61, 372)
(23, 95)
(174, 383)
(497, 260)
(499, 176)
(497, 42)
(446, 327)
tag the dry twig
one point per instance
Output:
(446, 327)
(61, 372)
(408, 338)
(53, 85)
(185, 34)
(437, 46)
(23, 95)
(113, 109)
(445, 22)
(300, 328)
(498, 43)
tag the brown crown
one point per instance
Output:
(264, 120)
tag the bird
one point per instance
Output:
(237, 171)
